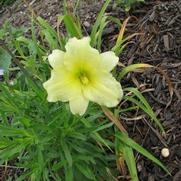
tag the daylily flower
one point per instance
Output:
(82, 74)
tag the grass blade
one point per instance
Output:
(115, 120)
(131, 143)
(120, 36)
(67, 153)
(100, 32)
(98, 22)
(72, 27)
(144, 105)
(127, 153)
(131, 68)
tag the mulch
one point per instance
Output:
(159, 44)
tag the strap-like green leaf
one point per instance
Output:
(131, 143)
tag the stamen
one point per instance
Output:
(83, 77)
(84, 80)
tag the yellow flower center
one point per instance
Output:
(84, 80)
(83, 77)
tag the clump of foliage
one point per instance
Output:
(44, 139)
(127, 4)
(6, 2)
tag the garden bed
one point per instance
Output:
(158, 43)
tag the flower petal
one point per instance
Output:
(56, 58)
(60, 87)
(107, 91)
(75, 44)
(81, 56)
(78, 105)
(108, 60)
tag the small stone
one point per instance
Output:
(86, 24)
(165, 152)
(139, 167)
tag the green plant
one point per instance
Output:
(6, 2)
(127, 4)
(44, 139)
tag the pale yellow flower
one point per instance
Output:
(82, 74)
